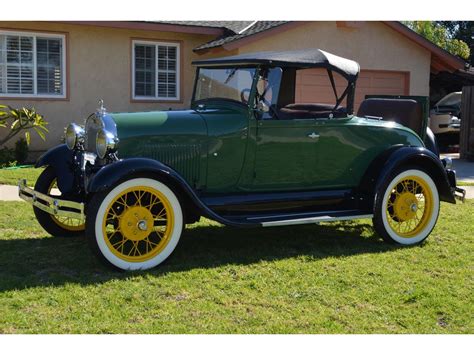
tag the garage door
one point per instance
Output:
(313, 85)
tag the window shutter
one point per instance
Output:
(167, 58)
(48, 61)
(19, 65)
(145, 70)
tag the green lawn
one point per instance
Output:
(465, 183)
(332, 278)
(11, 176)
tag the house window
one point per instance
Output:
(32, 65)
(155, 70)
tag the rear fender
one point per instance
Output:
(60, 158)
(398, 156)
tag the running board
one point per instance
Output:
(312, 220)
(287, 219)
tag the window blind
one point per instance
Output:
(31, 65)
(156, 70)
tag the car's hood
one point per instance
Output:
(145, 133)
(157, 123)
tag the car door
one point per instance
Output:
(285, 155)
(227, 126)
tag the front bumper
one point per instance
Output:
(51, 205)
(458, 192)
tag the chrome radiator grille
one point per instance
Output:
(93, 125)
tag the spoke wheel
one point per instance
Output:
(409, 206)
(136, 225)
(406, 207)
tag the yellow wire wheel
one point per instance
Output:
(409, 208)
(138, 224)
(66, 223)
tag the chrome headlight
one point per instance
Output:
(74, 135)
(106, 142)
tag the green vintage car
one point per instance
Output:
(246, 154)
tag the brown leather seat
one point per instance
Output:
(404, 111)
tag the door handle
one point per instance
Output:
(313, 135)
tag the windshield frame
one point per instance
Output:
(195, 102)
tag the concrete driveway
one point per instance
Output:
(464, 169)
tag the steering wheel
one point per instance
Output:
(244, 96)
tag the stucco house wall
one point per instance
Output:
(99, 67)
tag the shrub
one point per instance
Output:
(21, 151)
(7, 157)
(21, 120)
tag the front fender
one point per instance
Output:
(119, 171)
(60, 158)
(397, 156)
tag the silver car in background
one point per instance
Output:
(445, 119)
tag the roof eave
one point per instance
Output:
(147, 26)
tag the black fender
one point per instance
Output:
(397, 156)
(122, 170)
(60, 158)
(430, 142)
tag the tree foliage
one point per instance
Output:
(21, 120)
(440, 35)
(463, 31)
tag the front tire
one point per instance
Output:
(55, 225)
(136, 225)
(406, 207)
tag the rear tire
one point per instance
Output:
(54, 225)
(135, 225)
(406, 207)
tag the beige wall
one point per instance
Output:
(99, 67)
(373, 45)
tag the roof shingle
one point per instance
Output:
(257, 27)
(230, 26)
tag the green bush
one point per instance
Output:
(21, 120)
(7, 157)
(21, 151)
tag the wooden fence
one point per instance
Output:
(466, 138)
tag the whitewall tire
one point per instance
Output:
(136, 225)
(406, 207)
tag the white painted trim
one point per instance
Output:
(178, 70)
(35, 79)
(314, 220)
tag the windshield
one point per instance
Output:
(224, 83)
(453, 99)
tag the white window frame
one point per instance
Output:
(35, 67)
(178, 71)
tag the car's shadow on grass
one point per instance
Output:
(48, 261)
